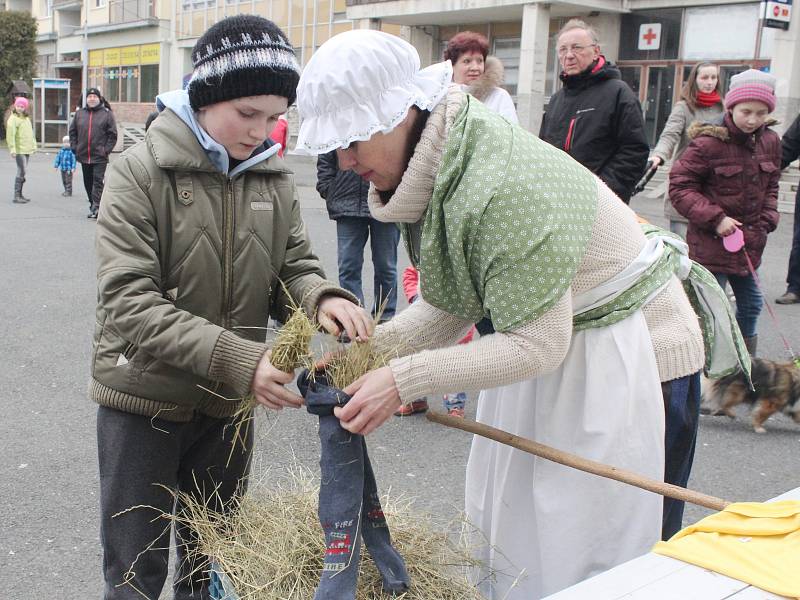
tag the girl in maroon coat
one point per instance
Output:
(727, 179)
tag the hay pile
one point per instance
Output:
(273, 547)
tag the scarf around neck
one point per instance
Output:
(705, 99)
(508, 222)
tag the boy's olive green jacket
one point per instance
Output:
(189, 266)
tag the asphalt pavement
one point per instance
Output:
(49, 543)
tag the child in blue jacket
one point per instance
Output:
(65, 162)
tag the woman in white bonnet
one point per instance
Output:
(587, 311)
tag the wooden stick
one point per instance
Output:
(577, 462)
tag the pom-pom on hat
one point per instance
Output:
(751, 85)
(21, 102)
(240, 56)
(360, 83)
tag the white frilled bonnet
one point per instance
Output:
(359, 83)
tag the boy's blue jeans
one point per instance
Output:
(749, 300)
(352, 234)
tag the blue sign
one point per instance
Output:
(62, 84)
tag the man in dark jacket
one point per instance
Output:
(790, 145)
(345, 195)
(92, 137)
(596, 118)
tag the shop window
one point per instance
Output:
(110, 85)
(720, 32)
(129, 83)
(507, 50)
(149, 82)
(670, 20)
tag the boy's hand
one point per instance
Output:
(267, 386)
(335, 314)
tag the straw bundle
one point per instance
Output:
(272, 548)
(355, 360)
(290, 351)
(291, 347)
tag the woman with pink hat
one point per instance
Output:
(726, 183)
(21, 143)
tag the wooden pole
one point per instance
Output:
(577, 462)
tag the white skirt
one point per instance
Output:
(547, 526)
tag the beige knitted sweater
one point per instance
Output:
(431, 364)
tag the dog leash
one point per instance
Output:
(735, 243)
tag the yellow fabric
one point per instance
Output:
(758, 543)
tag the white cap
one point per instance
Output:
(360, 83)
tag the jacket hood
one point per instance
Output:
(598, 71)
(493, 76)
(178, 102)
(718, 129)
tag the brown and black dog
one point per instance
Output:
(777, 387)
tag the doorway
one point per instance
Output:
(658, 100)
(655, 86)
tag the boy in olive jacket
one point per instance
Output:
(199, 227)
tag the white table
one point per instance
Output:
(657, 577)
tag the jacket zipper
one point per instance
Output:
(227, 261)
(227, 249)
(568, 141)
(90, 137)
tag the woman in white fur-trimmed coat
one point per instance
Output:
(479, 74)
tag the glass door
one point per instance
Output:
(633, 77)
(658, 100)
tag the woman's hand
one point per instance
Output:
(336, 314)
(727, 226)
(374, 399)
(267, 386)
(656, 161)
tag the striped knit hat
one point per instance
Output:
(240, 56)
(751, 85)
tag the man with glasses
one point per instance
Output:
(596, 118)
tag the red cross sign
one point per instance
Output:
(650, 36)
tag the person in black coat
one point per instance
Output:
(790, 146)
(596, 118)
(345, 195)
(92, 137)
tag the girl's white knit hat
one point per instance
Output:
(360, 83)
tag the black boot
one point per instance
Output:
(18, 199)
(751, 343)
(24, 179)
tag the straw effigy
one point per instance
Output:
(272, 547)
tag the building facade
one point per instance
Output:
(133, 49)
(729, 33)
